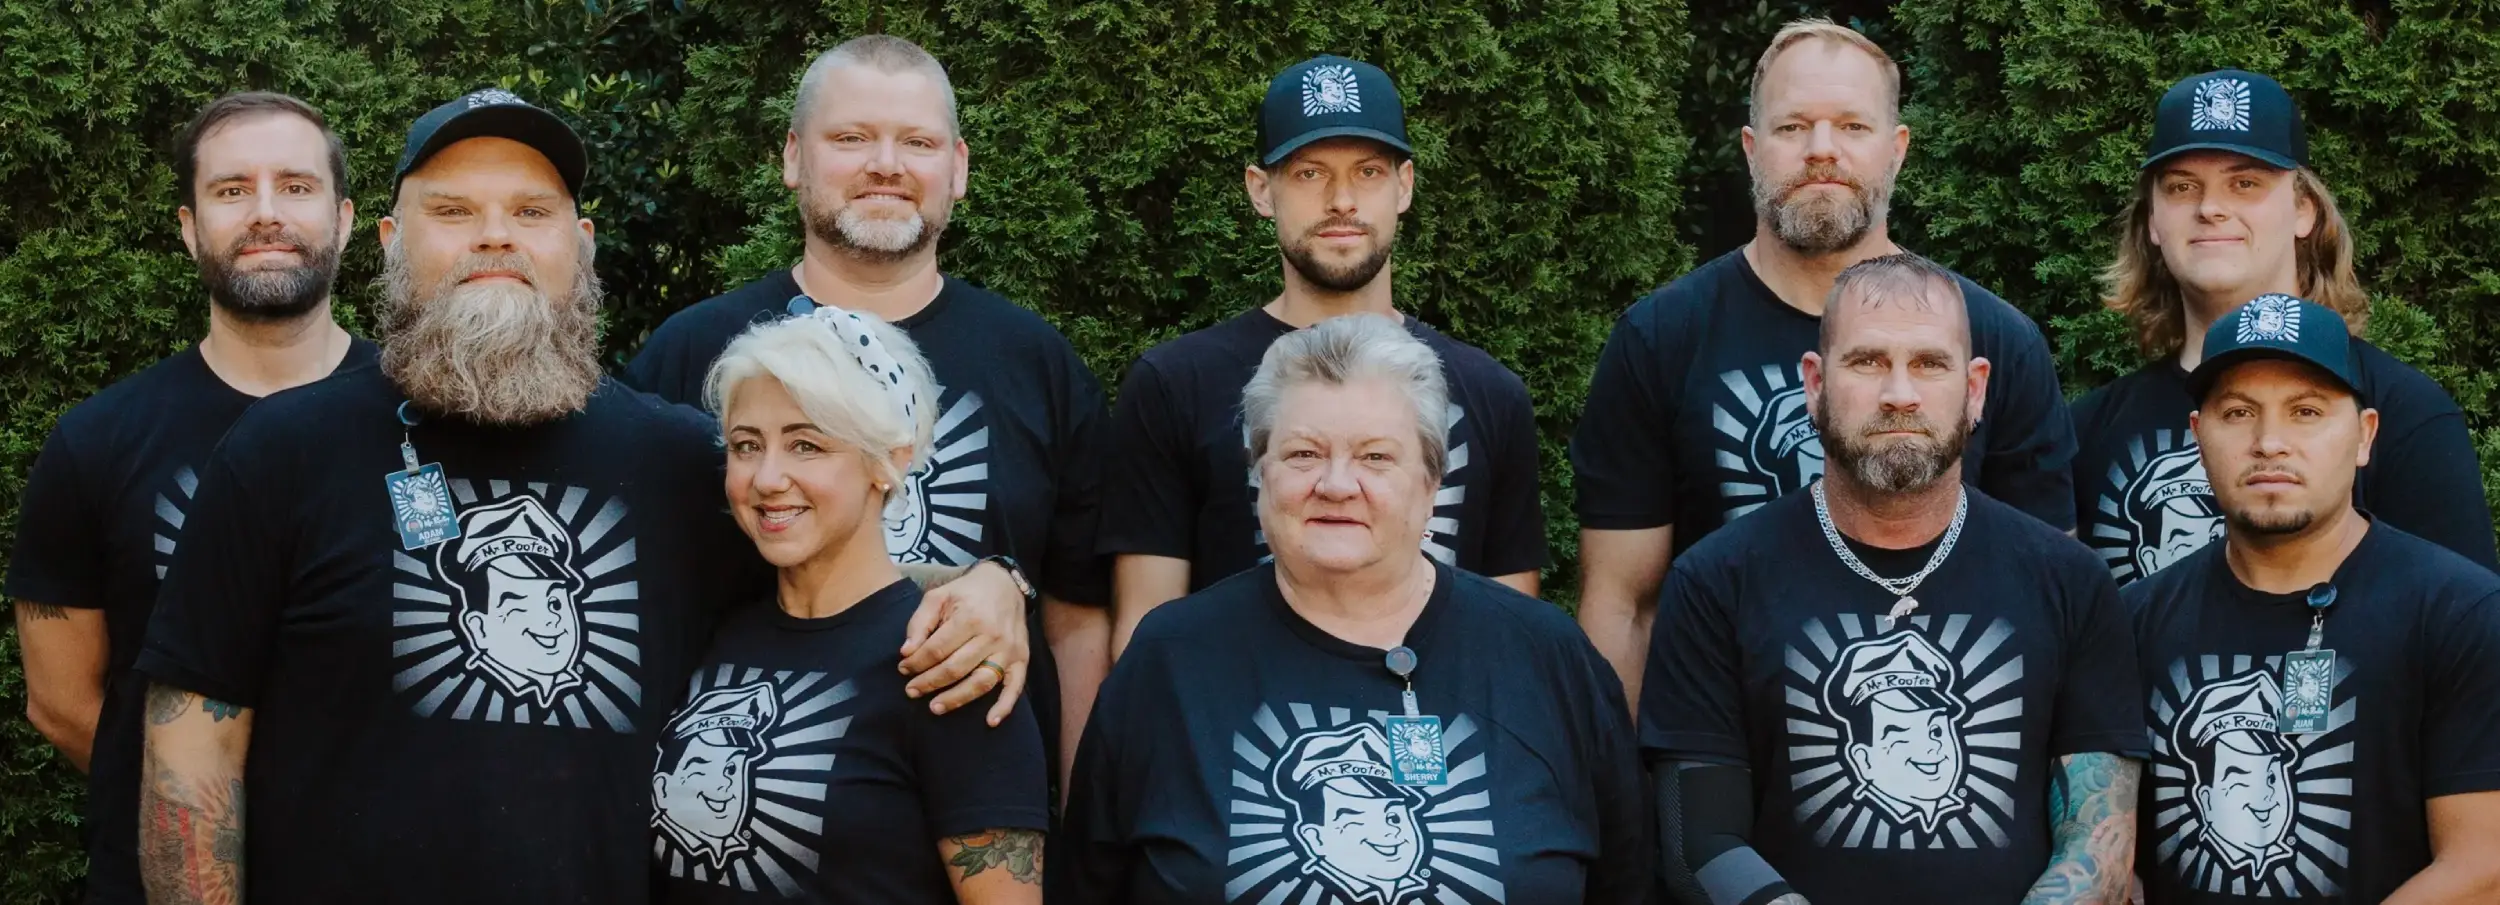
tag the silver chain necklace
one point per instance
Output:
(1900, 587)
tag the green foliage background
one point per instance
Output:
(1571, 153)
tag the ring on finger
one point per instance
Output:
(992, 665)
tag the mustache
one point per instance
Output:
(1821, 172)
(2260, 468)
(1337, 223)
(1898, 421)
(268, 235)
(474, 263)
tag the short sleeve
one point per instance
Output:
(1625, 856)
(1149, 509)
(2429, 484)
(1515, 539)
(666, 365)
(1623, 450)
(1692, 701)
(218, 610)
(2031, 435)
(1074, 570)
(60, 554)
(2461, 713)
(1089, 856)
(2098, 698)
(973, 777)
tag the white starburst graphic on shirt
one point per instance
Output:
(1766, 445)
(738, 793)
(1315, 819)
(938, 513)
(1909, 737)
(2239, 807)
(169, 516)
(2220, 104)
(2159, 507)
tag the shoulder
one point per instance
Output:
(1682, 304)
(97, 417)
(1004, 319)
(2110, 400)
(2023, 537)
(1219, 610)
(1520, 617)
(1475, 368)
(650, 420)
(714, 321)
(1993, 320)
(1766, 533)
(2157, 595)
(2447, 581)
(2402, 394)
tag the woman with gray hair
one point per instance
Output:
(797, 768)
(1354, 722)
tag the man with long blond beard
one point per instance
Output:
(2226, 210)
(1696, 415)
(440, 606)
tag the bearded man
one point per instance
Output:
(440, 606)
(1694, 415)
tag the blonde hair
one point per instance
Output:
(2142, 288)
(1339, 351)
(1818, 28)
(836, 392)
(879, 53)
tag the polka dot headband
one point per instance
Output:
(857, 338)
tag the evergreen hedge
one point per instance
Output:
(1571, 153)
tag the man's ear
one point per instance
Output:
(2369, 436)
(384, 229)
(1406, 184)
(1810, 374)
(790, 161)
(347, 221)
(1254, 182)
(190, 240)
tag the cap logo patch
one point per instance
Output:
(1330, 89)
(2271, 318)
(485, 96)
(2221, 104)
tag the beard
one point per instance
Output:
(270, 295)
(500, 353)
(866, 237)
(1901, 466)
(2268, 522)
(1335, 278)
(1821, 224)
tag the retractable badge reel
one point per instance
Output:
(2309, 673)
(420, 499)
(1417, 756)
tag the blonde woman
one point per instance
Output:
(797, 769)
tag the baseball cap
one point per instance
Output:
(495, 113)
(2229, 110)
(2276, 326)
(1327, 97)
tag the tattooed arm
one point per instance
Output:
(64, 650)
(995, 867)
(2092, 800)
(191, 799)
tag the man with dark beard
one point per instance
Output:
(1693, 415)
(1935, 682)
(265, 213)
(1334, 172)
(2323, 687)
(371, 561)
(877, 159)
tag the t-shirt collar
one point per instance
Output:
(1418, 636)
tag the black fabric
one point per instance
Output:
(2143, 495)
(1176, 797)
(2237, 811)
(1696, 414)
(1184, 477)
(101, 517)
(471, 721)
(1706, 811)
(798, 771)
(2017, 655)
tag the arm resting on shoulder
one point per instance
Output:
(64, 651)
(2465, 853)
(1705, 816)
(2092, 857)
(995, 866)
(1620, 574)
(972, 616)
(1139, 583)
(191, 798)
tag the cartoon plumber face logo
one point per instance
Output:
(1895, 697)
(2239, 769)
(2250, 811)
(936, 515)
(1767, 445)
(2171, 504)
(1316, 820)
(512, 570)
(705, 784)
(1354, 827)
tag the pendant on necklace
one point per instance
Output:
(1900, 608)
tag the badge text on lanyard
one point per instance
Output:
(2309, 673)
(421, 507)
(1416, 754)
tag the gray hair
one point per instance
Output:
(838, 394)
(1900, 278)
(1340, 351)
(882, 53)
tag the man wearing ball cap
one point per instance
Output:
(2227, 209)
(2323, 687)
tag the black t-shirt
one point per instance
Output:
(471, 721)
(102, 514)
(2236, 810)
(2142, 493)
(798, 771)
(1902, 763)
(1697, 415)
(1184, 477)
(1240, 754)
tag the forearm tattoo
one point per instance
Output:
(190, 826)
(1019, 851)
(2092, 801)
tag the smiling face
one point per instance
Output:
(1824, 146)
(1365, 837)
(708, 791)
(1912, 754)
(2282, 442)
(265, 225)
(527, 624)
(799, 494)
(2244, 804)
(1336, 204)
(2228, 225)
(875, 163)
(1343, 484)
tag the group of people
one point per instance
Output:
(822, 598)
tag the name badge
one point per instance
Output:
(2308, 691)
(421, 507)
(1416, 754)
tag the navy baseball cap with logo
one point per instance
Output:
(495, 113)
(1329, 97)
(2276, 326)
(2230, 110)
